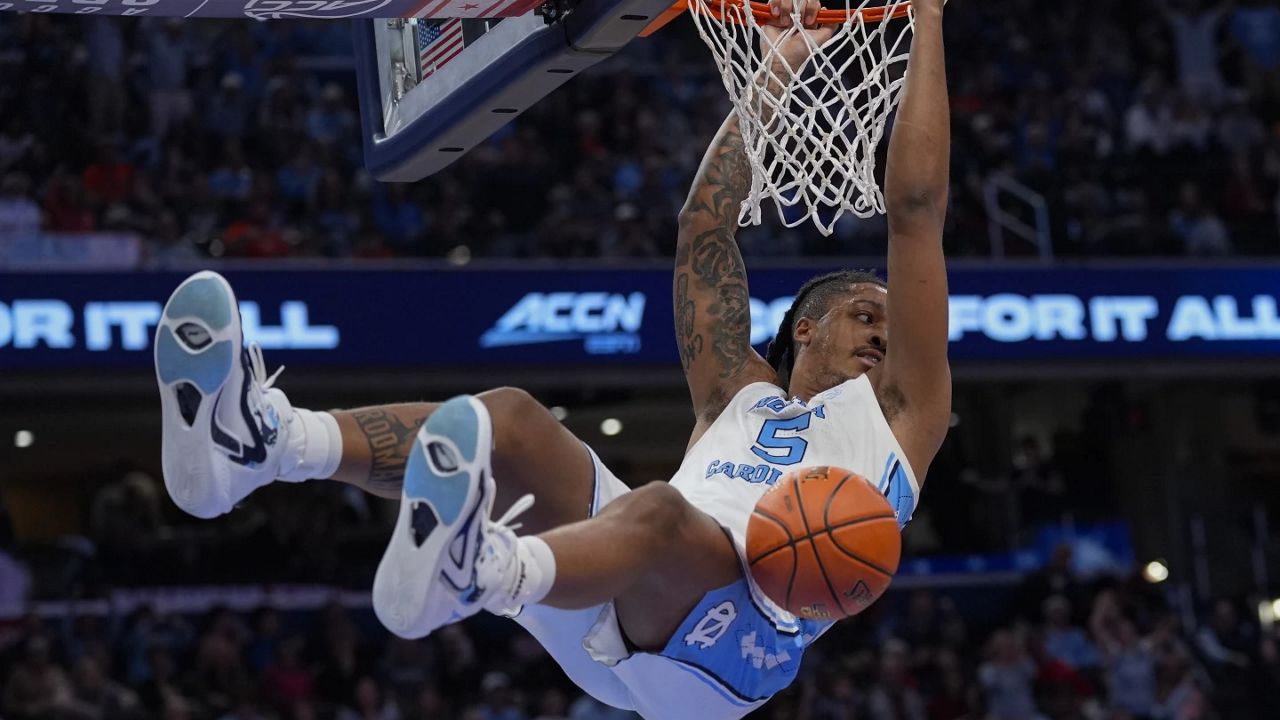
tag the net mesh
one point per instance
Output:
(810, 132)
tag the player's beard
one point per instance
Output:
(829, 376)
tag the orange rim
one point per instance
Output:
(716, 8)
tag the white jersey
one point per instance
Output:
(762, 435)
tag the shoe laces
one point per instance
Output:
(494, 566)
(258, 366)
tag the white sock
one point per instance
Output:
(540, 570)
(314, 447)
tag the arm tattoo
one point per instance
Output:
(713, 260)
(688, 338)
(718, 266)
(390, 440)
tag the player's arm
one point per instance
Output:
(916, 370)
(712, 306)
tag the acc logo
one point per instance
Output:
(607, 323)
(712, 626)
(315, 9)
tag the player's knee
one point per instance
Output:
(510, 409)
(661, 512)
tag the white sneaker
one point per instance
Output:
(441, 554)
(223, 422)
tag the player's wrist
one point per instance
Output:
(927, 11)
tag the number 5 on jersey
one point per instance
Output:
(785, 449)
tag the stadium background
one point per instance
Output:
(132, 151)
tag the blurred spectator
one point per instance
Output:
(1255, 26)
(162, 690)
(1006, 677)
(331, 121)
(1226, 645)
(1130, 670)
(298, 178)
(124, 520)
(1195, 26)
(227, 116)
(232, 179)
(107, 51)
(17, 143)
(219, 677)
(109, 178)
(429, 703)
(1064, 641)
(37, 688)
(368, 703)
(400, 219)
(1148, 120)
(148, 634)
(1197, 227)
(97, 697)
(66, 205)
(500, 701)
(552, 705)
(1058, 577)
(19, 215)
(894, 696)
(168, 57)
(287, 683)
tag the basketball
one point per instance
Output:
(823, 543)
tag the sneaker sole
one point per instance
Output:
(196, 346)
(448, 494)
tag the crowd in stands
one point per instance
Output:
(1056, 649)
(1150, 127)
(1068, 642)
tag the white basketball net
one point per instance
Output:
(812, 141)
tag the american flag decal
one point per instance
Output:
(438, 43)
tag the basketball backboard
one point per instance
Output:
(431, 89)
(440, 76)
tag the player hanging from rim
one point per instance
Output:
(640, 595)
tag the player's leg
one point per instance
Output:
(649, 550)
(227, 431)
(532, 453)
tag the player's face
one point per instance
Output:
(852, 337)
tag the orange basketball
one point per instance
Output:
(823, 543)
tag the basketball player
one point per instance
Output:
(640, 595)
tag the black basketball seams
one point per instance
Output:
(797, 540)
(791, 540)
(859, 521)
(826, 511)
(795, 566)
(816, 555)
(856, 556)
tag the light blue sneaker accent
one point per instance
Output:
(224, 425)
(208, 369)
(430, 561)
(441, 481)
(204, 297)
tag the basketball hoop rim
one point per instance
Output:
(716, 9)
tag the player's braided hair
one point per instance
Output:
(812, 301)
